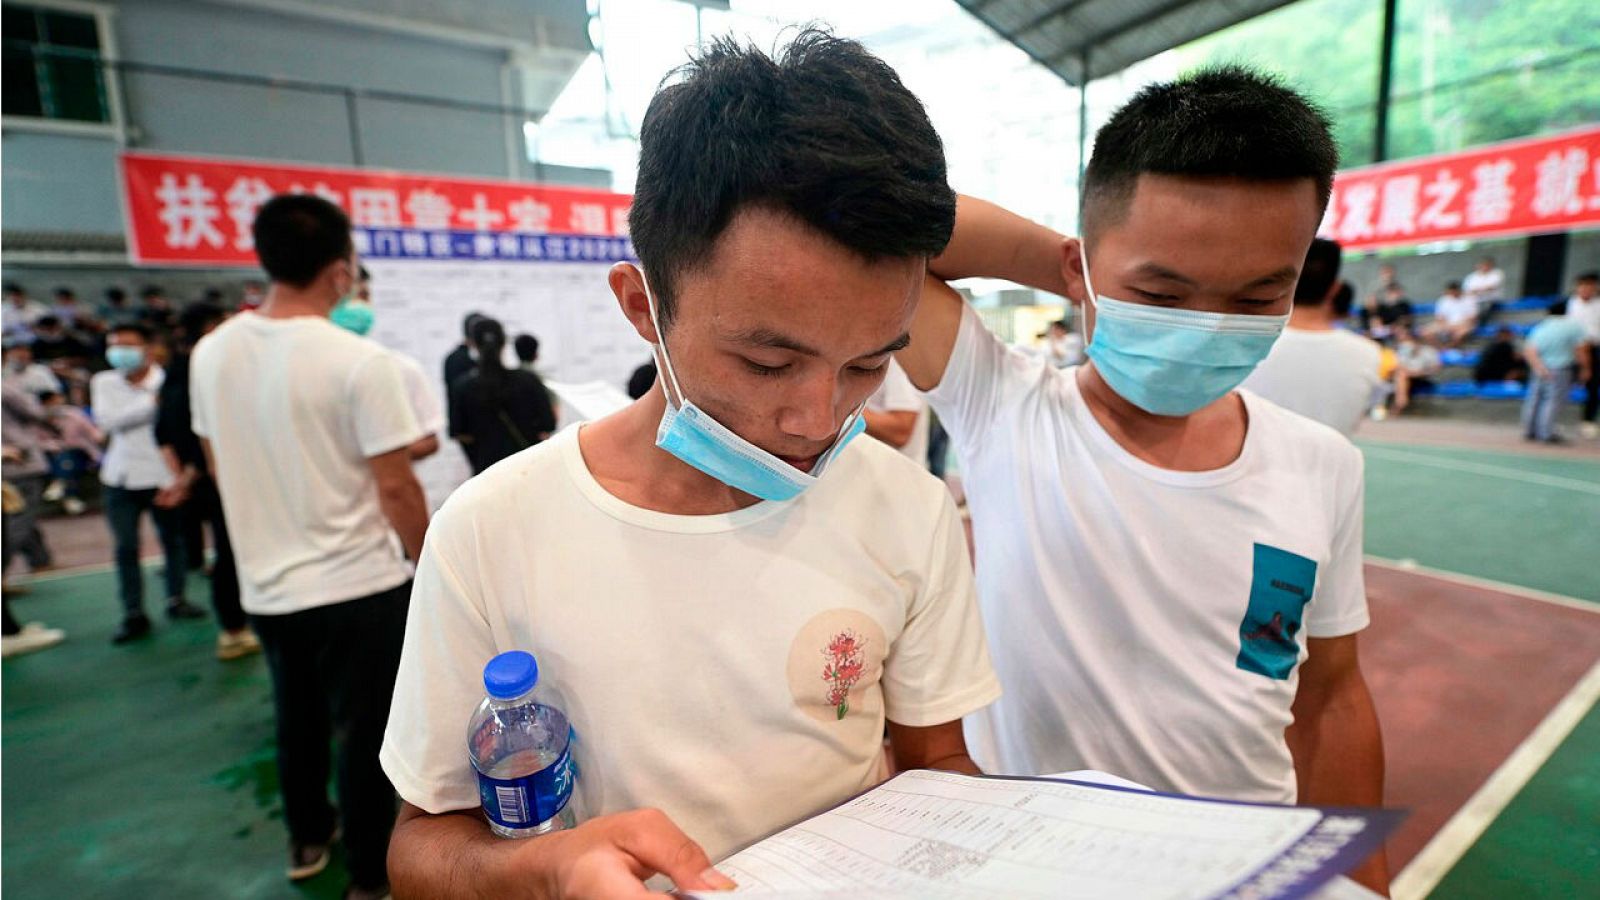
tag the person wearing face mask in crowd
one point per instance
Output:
(705, 576)
(125, 403)
(308, 433)
(356, 314)
(1170, 569)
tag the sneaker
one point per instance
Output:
(308, 860)
(179, 608)
(131, 629)
(33, 636)
(54, 491)
(73, 506)
(356, 892)
(1589, 430)
(237, 644)
(1555, 439)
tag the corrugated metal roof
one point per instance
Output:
(1110, 34)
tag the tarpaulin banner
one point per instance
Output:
(1520, 187)
(197, 211)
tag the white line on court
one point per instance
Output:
(1490, 470)
(1485, 583)
(1452, 841)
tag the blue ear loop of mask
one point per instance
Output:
(1173, 362)
(693, 436)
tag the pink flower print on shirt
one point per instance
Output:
(844, 663)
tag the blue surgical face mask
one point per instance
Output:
(125, 359)
(694, 437)
(1172, 362)
(352, 315)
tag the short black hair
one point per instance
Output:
(822, 130)
(1226, 122)
(1453, 286)
(299, 235)
(1319, 272)
(66, 292)
(1559, 308)
(1588, 276)
(467, 323)
(196, 318)
(13, 288)
(527, 347)
(151, 291)
(1343, 299)
(139, 328)
(116, 295)
(47, 322)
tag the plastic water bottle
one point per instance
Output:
(522, 751)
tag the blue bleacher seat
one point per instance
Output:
(1459, 357)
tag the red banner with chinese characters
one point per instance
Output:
(1520, 187)
(187, 210)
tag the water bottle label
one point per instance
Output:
(531, 799)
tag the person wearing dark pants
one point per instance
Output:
(1584, 307)
(193, 492)
(333, 669)
(313, 513)
(125, 402)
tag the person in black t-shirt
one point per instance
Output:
(495, 411)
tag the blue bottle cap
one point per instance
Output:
(510, 675)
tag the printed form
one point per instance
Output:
(942, 835)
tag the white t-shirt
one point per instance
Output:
(1455, 310)
(1146, 622)
(1484, 287)
(690, 652)
(898, 394)
(294, 408)
(1329, 376)
(1587, 312)
(126, 412)
(419, 390)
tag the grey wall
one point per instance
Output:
(59, 183)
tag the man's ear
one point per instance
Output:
(628, 284)
(1072, 254)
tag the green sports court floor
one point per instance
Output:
(148, 771)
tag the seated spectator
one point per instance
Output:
(1485, 285)
(114, 310)
(21, 311)
(1416, 362)
(495, 411)
(1455, 317)
(1501, 360)
(1392, 312)
(642, 380)
(56, 346)
(75, 315)
(157, 311)
(31, 376)
(1553, 348)
(73, 451)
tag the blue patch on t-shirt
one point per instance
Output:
(1279, 590)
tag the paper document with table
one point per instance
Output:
(943, 836)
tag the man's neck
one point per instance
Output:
(137, 376)
(620, 452)
(1310, 318)
(1209, 438)
(284, 302)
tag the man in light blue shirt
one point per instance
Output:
(1553, 347)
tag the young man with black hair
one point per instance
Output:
(125, 401)
(1169, 568)
(705, 576)
(1317, 369)
(460, 360)
(307, 431)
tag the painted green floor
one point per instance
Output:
(148, 771)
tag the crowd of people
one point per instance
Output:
(726, 523)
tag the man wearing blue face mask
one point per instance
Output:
(125, 403)
(727, 593)
(1169, 568)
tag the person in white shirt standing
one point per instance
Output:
(1317, 369)
(307, 429)
(124, 400)
(1170, 569)
(727, 595)
(1584, 306)
(1485, 285)
(1455, 317)
(897, 414)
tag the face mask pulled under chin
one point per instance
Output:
(1173, 362)
(696, 438)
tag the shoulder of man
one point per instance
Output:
(1308, 441)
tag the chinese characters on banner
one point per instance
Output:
(1515, 188)
(197, 211)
